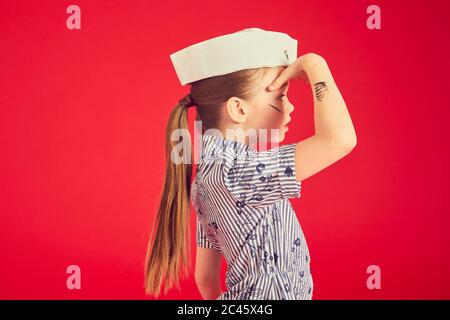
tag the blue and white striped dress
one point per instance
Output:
(240, 197)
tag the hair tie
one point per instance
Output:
(187, 101)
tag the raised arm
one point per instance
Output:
(331, 117)
(334, 134)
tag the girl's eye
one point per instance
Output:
(281, 96)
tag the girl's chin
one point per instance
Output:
(281, 137)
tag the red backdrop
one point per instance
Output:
(82, 116)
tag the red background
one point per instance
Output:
(82, 125)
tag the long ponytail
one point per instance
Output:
(171, 246)
(169, 251)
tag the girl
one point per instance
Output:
(241, 195)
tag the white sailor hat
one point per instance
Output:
(245, 49)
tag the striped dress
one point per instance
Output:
(240, 197)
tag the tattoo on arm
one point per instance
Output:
(320, 88)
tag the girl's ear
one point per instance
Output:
(237, 109)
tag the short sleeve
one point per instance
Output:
(206, 238)
(262, 178)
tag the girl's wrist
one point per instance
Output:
(316, 69)
(311, 60)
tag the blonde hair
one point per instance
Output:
(167, 253)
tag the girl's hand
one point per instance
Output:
(294, 71)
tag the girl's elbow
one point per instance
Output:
(347, 142)
(204, 281)
(351, 144)
(200, 281)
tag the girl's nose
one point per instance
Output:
(290, 108)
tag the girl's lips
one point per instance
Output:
(286, 128)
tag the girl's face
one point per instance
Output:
(270, 109)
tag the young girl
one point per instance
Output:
(241, 195)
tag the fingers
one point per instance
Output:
(282, 78)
